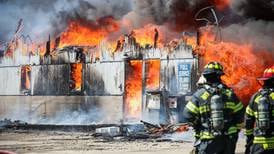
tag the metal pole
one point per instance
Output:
(143, 101)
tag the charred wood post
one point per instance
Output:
(118, 46)
(156, 36)
(57, 42)
(48, 47)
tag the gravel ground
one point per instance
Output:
(32, 142)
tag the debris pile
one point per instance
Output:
(145, 130)
(165, 129)
(108, 132)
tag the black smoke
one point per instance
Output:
(52, 16)
(256, 26)
(256, 9)
(244, 20)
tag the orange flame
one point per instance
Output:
(25, 76)
(182, 128)
(76, 76)
(146, 35)
(191, 40)
(221, 4)
(91, 34)
(12, 46)
(242, 64)
(28, 70)
(133, 97)
(152, 74)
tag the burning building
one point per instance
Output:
(131, 84)
(85, 72)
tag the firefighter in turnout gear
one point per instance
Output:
(259, 117)
(215, 113)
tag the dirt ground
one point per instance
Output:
(32, 142)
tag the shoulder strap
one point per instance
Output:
(209, 89)
(266, 93)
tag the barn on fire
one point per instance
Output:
(130, 84)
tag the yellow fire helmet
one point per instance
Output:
(213, 67)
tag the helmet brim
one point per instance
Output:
(218, 73)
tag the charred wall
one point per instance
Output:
(51, 99)
(98, 79)
(50, 79)
(106, 78)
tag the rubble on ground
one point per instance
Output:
(109, 132)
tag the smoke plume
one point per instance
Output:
(42, 18)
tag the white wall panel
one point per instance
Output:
(10, 80)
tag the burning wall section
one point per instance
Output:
(157, 72)
(95, 83)
(133, 89)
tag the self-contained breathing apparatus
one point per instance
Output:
(216, 106)
(217, 112)
(264, 119)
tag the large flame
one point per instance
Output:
(88, 34)
(152, 74)
(133, 97)
(91, 34)
(242, 63)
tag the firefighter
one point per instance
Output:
(259, 117)
(215, 113)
